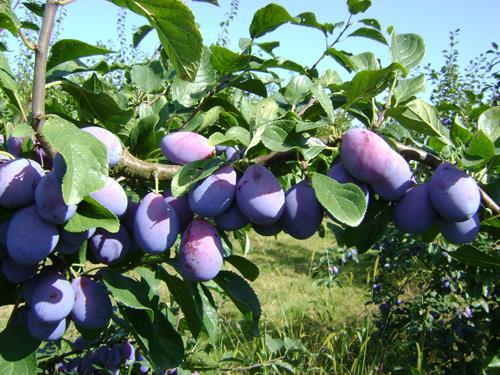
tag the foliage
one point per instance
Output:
(238, 99)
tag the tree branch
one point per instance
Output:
(41, 54)
(131, 166)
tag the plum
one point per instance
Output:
(53, 298)
(414, 213)
(303, 214)
(214, 195)
(156, 225)
(14, 145)
(232, 153)
(77, 237)
(29, 238)
(259, 195)
(339, 174)
(65, 247)
(454, 194)
(185, 147)
(365, 155)
(268, 230)
(45, 331)
(112, 196)
(128, 352)
(109, 248)
(128, 218)
(59, 166)
(49, 201)
(394, 184)
(92, 308)
(16, 273)
(31, 285)
(459, 232)
(232, 219)
(181, 207)
(110, 140)
(200, 251)
(4, 225)
(18, 180)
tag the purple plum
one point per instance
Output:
(398, 179)
(45, 331)
(459, 232)
(214, 195)
(112, 196)
(16, 273)
(52, 300)
(156, 225)
(268, 230)
(185, 147)
(232, 219)
(454, 194)
(18, 180)
(29, 238)
(259, 195)
(49, 201)
(200, 251)
(414, 213)
(181, 207)
(92, 308)
(110, 140)
(77, 237)
(109, 248)
(303, 214)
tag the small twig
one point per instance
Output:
(30, 45)
(309, 104)
(131, 166)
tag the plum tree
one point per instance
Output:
(231, 219)
(29, 238)
(414, 213)
(109, 248)
(396, 181)
(181, 207)
(45, 331)
(92, 308)
(185, 147)
(303, 214)
(339, 174)
(259, 195)
(110, 140)
(459, 232)
(212, 196)
(200, 251)
(454, 194)
(156, 225)
(52, 300)
(112, 196)
(49, 201)
(16, 273)
(365, 155)
(18, 180)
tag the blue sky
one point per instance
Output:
(95, 20)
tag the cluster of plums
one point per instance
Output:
(451, 198)
(108, 359)
(223, 201)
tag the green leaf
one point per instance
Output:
(459, 134)
(213, 2)
(269, 46)
(309, 19)
(226, 61)
(160, 342)
(183, 295)
(489, 123)
(372, 22)
(193, 172)
(70, 49)
(242, 295)
(148, 78)
(345, 202)
(323, 99)
(9, 87)
(374, 34)
(255, 86)
(17, 350)
(407, 49)
(101, 105)
(297, 88)
(472, 256)
(140, 34)
(177, 30)
(235, 134)
(369, 83)
(408, 88)
(127, 291)
(371, 229)
(35, 8)
(482, 146)
(358, 6)
(342, 57)
(364, 61)
(248, 269)
(8, 19)
(421, 117)
(275, 138)
(92, 214)
(189, 93)
(268, 19)
(85, 156)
